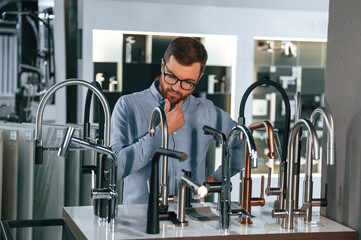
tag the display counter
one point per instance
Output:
(131, 223)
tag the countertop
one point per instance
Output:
(131, 224)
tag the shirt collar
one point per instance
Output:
(156, 94)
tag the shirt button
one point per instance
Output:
(175, 133)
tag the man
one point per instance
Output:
(181, 68)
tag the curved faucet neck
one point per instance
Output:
(287, 106)
(69, 82)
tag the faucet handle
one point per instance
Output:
(259, 201)
(321, 202)
(271, 191)
(262, 187)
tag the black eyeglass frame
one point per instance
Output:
(177, 79)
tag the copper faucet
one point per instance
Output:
(246, 199)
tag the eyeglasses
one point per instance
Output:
(186, 84)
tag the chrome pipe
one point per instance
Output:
(298, 113)
(164, 163)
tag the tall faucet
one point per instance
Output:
(38, 142)
(226, 175)
(289, 213)
(330, 160)
(164, 165)
(246, 200)
(280, 191)
(153, 204)
(109, 193)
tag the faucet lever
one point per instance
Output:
(262, 187)
(269, 190)
(321, 202)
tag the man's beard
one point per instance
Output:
(173, 99)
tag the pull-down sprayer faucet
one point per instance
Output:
(280, 191)
(38, 142)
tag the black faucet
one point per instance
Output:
(283, 164)
(153, 203)
(101, 161)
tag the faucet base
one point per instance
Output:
(245, 221)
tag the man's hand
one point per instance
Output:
(212, 179)
(175, 117)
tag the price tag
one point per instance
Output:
(92, 133)
(59, 133)
(13, 135)
(28, 136)
(272, 69)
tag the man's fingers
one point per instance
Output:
(167, 105)
(179, 106)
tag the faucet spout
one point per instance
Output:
(159, 111)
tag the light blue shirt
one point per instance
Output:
(134, 147)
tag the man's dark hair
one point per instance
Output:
(187, 51)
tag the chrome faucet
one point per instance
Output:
(280, 191)
(164, 164)
(289, 213)
(109, 193)
(246, 200)
(197, 188)
(330, 160)
(226, 175)
(38, 142)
